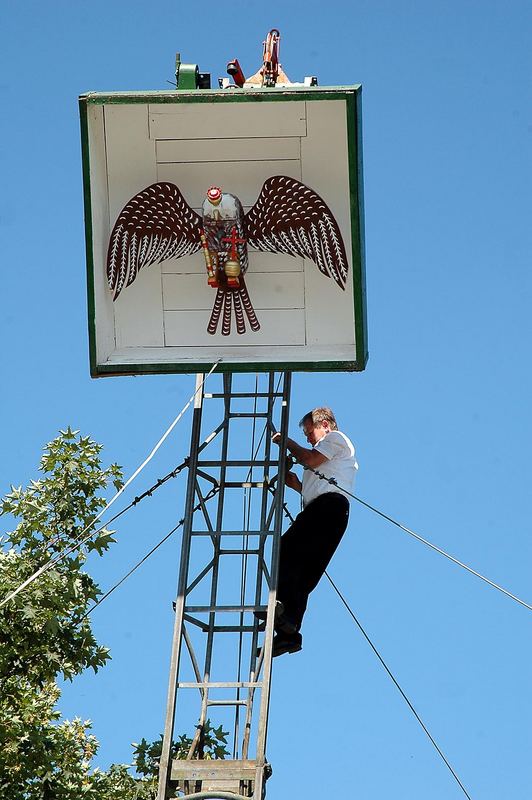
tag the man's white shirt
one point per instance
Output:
(341, 465)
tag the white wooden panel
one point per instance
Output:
(229, 120)
(130, 154)
(304, 316)
(232, 354)
(187, 150)
(139, 311)
(280, 290)
(131, 159)
(105, 333)
(330, 311)
(244, 179)
(258, 262)
(189, 328)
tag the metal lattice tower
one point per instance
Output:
(221, 659)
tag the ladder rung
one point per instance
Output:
(226, 702)
(232, 533)
(219, 395)
(219, 628)
(220, 685)
(233, 628)
(245, 463)
(248, 415)
(221, 609)
(245, 484)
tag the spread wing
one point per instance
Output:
(155, 225)
(291, 218)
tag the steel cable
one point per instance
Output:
(434, 547)
(403, 695)
(82, 538)
(389, 672)
(181, 522)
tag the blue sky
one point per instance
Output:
(440, 417)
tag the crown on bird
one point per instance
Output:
(214, 195)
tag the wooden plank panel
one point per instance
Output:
(280, 290)
(260, 149)
(213, 769)
(258, 262)
(242, 178)
(231, 354)
(189, 329)
(130, 154)
(324, 165)
(138, 311)
(229, 120)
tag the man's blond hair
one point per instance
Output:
(318, 416)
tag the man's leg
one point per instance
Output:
(330, 515)
(306, 550)
(291, 579)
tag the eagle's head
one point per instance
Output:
(214, 195)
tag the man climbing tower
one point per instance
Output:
(310, 542)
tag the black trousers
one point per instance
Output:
(306, 549)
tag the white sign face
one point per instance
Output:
(264, 271)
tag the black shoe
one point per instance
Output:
(286, 643)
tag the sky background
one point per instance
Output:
(440, 417)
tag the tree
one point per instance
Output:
(42, 630)
(45, 633)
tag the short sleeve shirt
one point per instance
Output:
(341, 465)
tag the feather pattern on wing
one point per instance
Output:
(155, 225)
(291, 218)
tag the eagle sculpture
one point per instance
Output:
(288, 217)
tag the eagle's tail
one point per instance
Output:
(227, 298)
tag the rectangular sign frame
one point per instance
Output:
(108, 359)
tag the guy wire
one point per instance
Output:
(181, 522)
(405, 698)
(439, 550)
(81, 538)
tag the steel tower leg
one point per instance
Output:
(228, 570)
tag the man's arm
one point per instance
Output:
(305, 455)
(293, 482)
